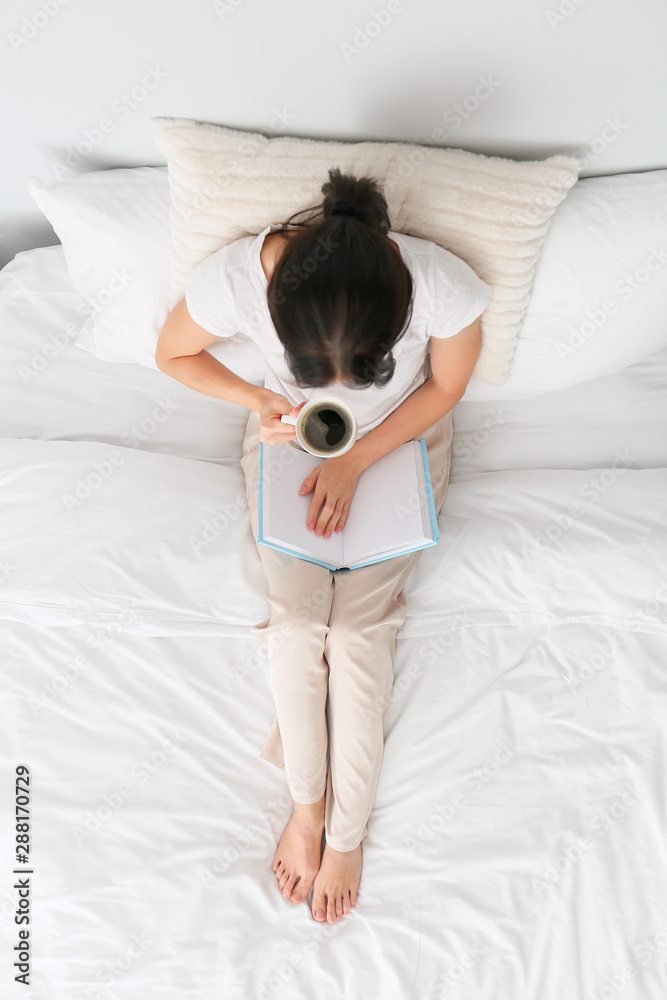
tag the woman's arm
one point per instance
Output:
(180, 353)
(452, 363)
(335, 480)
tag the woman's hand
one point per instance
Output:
(271, 429)
(334, 481)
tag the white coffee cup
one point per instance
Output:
(325, 427)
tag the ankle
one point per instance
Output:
(311, 815)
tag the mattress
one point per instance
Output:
(516, 848)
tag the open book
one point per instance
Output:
(392, 510)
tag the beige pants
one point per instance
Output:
(330, 645)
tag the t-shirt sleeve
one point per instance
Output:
(460, 295)
(209, 296)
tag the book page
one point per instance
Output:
(386, 509)
(285, 510)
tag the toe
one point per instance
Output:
(284, 878)
(276, 863)
(318, 908)
(296, 894)
(301, 890)
(288, 886)
(353, 898)
(346, 903)
(331, 910)
(339, 907)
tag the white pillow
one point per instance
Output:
(114, 228)
(598, 298)
(547, 546)
(491, 212)
(158, 545)
(116, 537)
(116, 222)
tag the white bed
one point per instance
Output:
(516, 849)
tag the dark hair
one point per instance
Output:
(340, 295)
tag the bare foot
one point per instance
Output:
(336, 884)
(297, 858)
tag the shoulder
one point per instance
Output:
(233, 255)
(442, 269)
(449, 293)
(221, 273)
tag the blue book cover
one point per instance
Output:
(392, 511)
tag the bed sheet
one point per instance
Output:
(54, 390)
(516, 846)
(515, 850)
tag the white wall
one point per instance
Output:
(561, 74)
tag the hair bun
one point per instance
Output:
(361, 197)
(343, 207)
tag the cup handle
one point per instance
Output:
(288, 420)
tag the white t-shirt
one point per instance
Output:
(226, 294)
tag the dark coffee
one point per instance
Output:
(326, 428)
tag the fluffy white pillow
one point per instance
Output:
(598, 298)
(114, 228)
(492, 212)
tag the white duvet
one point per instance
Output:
(516, 849)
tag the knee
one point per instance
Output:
(291, 638)
(309, 610)
(363, 646)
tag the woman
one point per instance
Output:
(339, 305)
